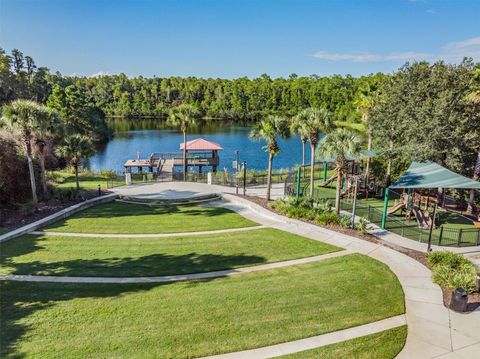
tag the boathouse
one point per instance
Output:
(201, 153)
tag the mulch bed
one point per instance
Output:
(15, 218)
(473, 299)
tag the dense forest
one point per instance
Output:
(242, 98)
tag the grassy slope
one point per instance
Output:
(383, 345)
(43, 255)
(118, 217)
(196, 318)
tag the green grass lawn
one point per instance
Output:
(193, 319)
(77, 256)
(118, 217)
(383, 345)
(64, 179)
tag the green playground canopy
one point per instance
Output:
(432, 175)
(363, 155)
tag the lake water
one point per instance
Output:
(154, 137)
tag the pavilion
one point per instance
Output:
(200, 153)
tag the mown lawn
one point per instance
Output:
(383, 345)
(64, 179)
(193, 319)
(118, 217)
(77, 256)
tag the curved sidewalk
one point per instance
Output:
(172, 278)
(434, 331)
(300, 345)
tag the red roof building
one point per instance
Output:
(200, 144)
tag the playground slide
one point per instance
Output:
(328, 181)
(395, 208)
(418, 216)
(427, 219)
(423, 219)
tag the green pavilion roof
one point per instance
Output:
(363, 155)
(432, 175)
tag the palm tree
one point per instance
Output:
(52, 127)
(318, 121)
(74, 149)
(28, 119)
(339, 144)
(183, 116)
(269, 129)
(297, 126)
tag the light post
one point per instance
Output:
(244, 177)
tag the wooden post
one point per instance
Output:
(354, 205)
(429, 247)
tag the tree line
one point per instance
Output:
(421, 112)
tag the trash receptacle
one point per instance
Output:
(459, 300)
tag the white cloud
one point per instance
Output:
(99, 74)
(366, 57)
(451, 52)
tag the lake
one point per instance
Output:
(152, 136)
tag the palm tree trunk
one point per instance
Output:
(28, 150)
(303, 157)
(269, 175)
(476, 177)
(76, 176)
(389, 164)
(184, 155)
(338, 189)
(41, 145)
(312, 167)
(369, 147)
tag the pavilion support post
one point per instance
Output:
(297, 189)
(385, 206)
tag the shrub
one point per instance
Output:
(450, 259)
(329, 219)
(452, 270)
(108, 174)
(27, 208)
(65, 194)
(362, 225)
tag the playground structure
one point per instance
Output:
(411, 203)
(427, 175)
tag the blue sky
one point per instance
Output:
(238, 38)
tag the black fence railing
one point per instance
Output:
(442, 236)
(233, 179)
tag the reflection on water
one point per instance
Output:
(151, 135)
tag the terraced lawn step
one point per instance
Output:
(125, 218)
(158, 256)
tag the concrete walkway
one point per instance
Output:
(317, 341)
(172, 278)
(433, 330)
(150, 235)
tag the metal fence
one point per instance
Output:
(233, 179)
(442, 236)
